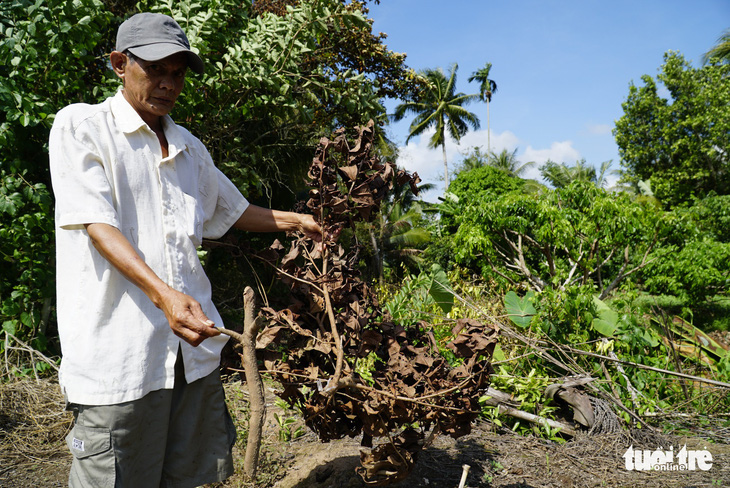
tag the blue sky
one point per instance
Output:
(562, 67)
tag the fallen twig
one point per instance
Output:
(464, 474)
(503, 400)
(700, 379)
(25, 348)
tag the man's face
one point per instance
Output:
(152, 87)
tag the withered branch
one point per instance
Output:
(337, 354)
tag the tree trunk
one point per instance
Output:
(377, 257)
(446, 166)
(489, 132)
(255, 385)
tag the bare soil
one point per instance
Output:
(33, 454)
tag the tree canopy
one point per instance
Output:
(680, 143)
(577, 235)
(439, 106)
(278, 76)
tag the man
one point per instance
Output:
(135, 195)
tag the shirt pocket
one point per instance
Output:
(93, 463)
(194, 218)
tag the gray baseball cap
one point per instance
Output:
(155, 36)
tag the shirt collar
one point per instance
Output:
(175, 137)
(129, 121)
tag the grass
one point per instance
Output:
(712, 315)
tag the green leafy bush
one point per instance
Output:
(694, 272)
(50, 55)
(575, 236)
(274, 84)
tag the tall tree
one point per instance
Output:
(397, 235)
(679, 142)
(577, 235)
(487, 87)
(264, 101)
(438, 105)
(720, 51)
(508, 162)
(561, 175)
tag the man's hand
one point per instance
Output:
(186, 317)
(184, 314)
(309, 227)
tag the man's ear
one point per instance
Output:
(119, 63)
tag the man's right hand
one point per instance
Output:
(186, 317)
(183, 312)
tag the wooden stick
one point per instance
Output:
(464, 473)
(502, 401)
(251, 327)
(536, 419)
(650, 368)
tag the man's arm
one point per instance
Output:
(259, 219)
(184, 314)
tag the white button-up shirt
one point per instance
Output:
(107, 167)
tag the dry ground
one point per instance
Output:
(33, 454)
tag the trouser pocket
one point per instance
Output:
(93, 462)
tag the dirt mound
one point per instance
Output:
(33, 426)
(510, 461)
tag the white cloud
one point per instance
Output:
(559, 152)
(417, 157)
(599, 129)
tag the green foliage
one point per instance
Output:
(437, 105)
(561, 175)
(26, 249)
(508, 162)
(695, 271)
(290, 427)
(679, 143)
(606, 322)
(273, 85)
(712, 216)
(421, 297)
(520, 310)
(576, 236)
(394, 240)
(485, 182)
(566, 315)
(479, 184)
(487, 86)
(365, 367)
(721, 50)
(526, 389)
(34, 36)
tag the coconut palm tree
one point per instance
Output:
(487, 87)
(721, 50)
(560, 175)
(473, 159)
(508, 162)
(396, 234)
(439, 106)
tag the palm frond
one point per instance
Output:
(720, 51)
